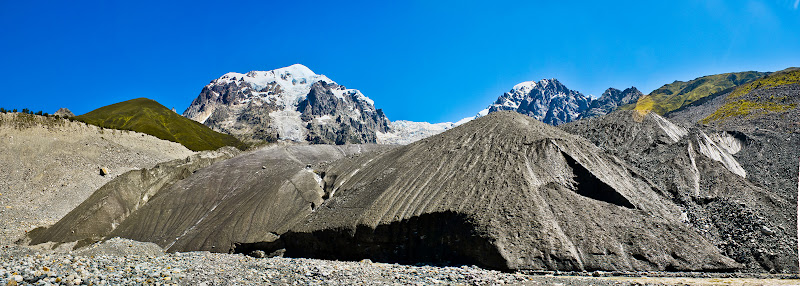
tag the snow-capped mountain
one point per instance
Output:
(291, 103)
(611, 99)
(548, 101)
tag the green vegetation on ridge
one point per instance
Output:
(148, 116)
(675, 95)
(739, 104)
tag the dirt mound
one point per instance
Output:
(506, 192)
(103, 211)
(48, 166)
(709, 173)
(250, 198)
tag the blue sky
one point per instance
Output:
(419, 60)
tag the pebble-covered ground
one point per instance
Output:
(24, 266)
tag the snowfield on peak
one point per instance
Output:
(290, 103)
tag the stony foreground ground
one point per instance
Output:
(23, 266)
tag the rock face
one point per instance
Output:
(548, 101)
(703, 172)
(611, 99)
(560, 204)
(291, 103)
(63, 112)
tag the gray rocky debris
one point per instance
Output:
(120, 247)
(112, 203)
(63, 112)
(237, 202)
(702, 171)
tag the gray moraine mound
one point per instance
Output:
(504, 191)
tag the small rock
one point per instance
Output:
(258, 254)
(104, 171)
(277, 253)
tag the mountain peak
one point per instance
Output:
(547, 100)
(289, 103)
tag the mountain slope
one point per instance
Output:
(291, 103)
(776, 93)
(49, 166)
(675, 95)
(149, 117)
(560, 204)
(714, 175)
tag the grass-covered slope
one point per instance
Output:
(148, 116)
(679, 93)
(761, 96)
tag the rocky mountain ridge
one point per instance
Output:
(547, 100)
(291, 103)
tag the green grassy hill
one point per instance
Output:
(743, 102)
(679, 93)
(148, 116)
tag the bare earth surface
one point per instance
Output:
(126, 262)
(48, 166)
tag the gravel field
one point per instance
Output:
(126, 262)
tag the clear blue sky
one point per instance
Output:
(419, 60)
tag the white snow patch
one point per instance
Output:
(405, 132)
(525, 86)
(727, 142)
(674, 132)
(712, 150)
(695, 171)
(289, 125)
